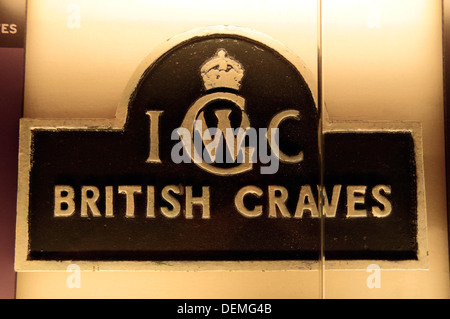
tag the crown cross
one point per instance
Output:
(222, 72)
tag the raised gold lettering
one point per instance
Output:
(153, 156)
(175, 211)
(67, 200)
(202, 201)
(278, 201)
(355, 195)
(274, 124)
(129, 192)
(306, 202)
(387, 206)
(330, 207)
(239, 201)
(89, 202)
(150, 202)
(109, 212)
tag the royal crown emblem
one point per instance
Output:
(222, 72)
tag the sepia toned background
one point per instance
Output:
(382, 61)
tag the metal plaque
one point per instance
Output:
(213, 161)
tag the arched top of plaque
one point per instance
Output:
(204, 33)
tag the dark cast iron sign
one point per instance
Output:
(213, 161)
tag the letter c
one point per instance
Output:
(239, 201)
(274, 124)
